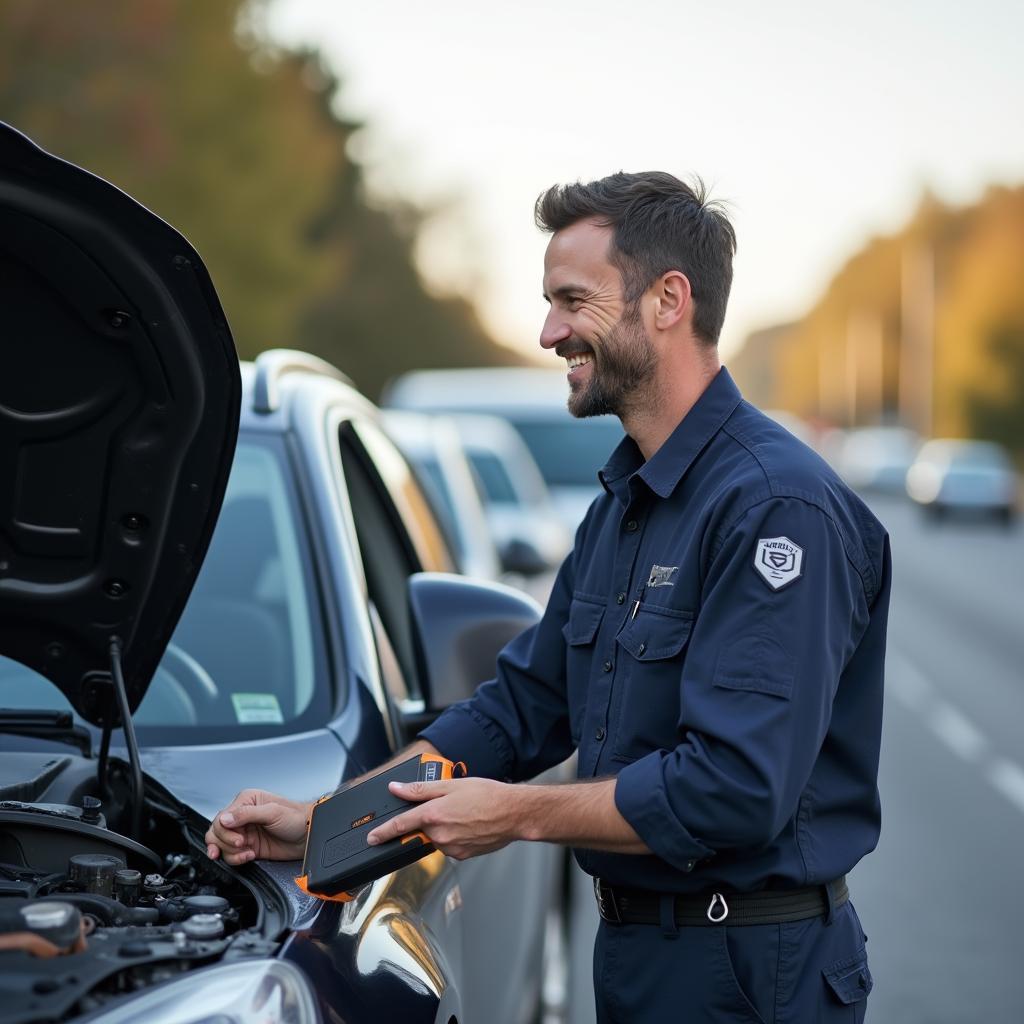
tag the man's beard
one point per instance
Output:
(621, 363)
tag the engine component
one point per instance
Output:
(204, 926)
(91, 810)
(41, 928)
(106, 911)
(55, 921)
(24, 882)
(157, 885)
(182, 908)
(50, 835)
(207, 905)
(94, 872)
(127, 886)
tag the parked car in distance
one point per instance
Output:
(433, 447)
(568, 451)
(958, 476)
(876, 459)
(524, 521)
(214, 578)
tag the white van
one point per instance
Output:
(568, 451)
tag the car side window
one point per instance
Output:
(406, 493)
(389, 552)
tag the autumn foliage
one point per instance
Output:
(190, 109)
(924, 327)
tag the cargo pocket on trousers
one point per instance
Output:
(580, 632)
(850, 978)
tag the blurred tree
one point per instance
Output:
(969, 366)
(187, 107)
(980, 323)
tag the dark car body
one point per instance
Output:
(287, 627)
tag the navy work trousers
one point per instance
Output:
(805, 972)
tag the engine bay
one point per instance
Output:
(88, 914)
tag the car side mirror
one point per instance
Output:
(523, 557)
(459, 627)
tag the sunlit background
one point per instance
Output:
(360, 180)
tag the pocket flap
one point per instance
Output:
(759, 664)
(850, 978)
(584, 622)
(655, 634)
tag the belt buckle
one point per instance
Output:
(606, 905)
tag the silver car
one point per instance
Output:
(568, 451)
(964, 476)
(214, 577)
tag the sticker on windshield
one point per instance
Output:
(257, 709)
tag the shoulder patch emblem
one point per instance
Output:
(779, 561)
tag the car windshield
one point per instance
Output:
(978, 456)
(493, 476)
(247, 658)
(570, 452)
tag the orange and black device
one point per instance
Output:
(338, 859)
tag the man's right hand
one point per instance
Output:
(259, 824)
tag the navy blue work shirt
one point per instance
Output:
(715, 641)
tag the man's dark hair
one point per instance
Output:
(658, 223)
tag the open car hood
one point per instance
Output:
(119, 405)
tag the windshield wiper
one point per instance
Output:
(46, 723)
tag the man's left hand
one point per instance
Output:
(461, 817)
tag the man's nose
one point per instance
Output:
(555, 329)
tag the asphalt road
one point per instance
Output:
(941, 898)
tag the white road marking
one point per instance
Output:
(953, 728)
(957, 731)
(1008, 778)
(907, 684)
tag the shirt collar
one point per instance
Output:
(667, 466)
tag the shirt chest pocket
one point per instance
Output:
(580, 633)
(646, 701)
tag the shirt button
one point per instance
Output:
(599, 733)
(641, 649)
(620, 599)
(632, 526)
(607, 666)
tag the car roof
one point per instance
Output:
(273, 382)
(483, 389)
(943, 448)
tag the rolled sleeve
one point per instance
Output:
(641, 797)
(758, 681)
(462, 735)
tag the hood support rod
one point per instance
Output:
(134, 761)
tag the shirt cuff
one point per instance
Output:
(641, 799)
(462, 735)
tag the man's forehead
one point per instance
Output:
(578, 255)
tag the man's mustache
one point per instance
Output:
(565, 349)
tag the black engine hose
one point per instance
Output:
(106, 910)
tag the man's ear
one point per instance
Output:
(673, 299)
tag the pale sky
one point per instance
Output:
(819, 123)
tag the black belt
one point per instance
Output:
(621, 905)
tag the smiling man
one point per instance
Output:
(712, 650)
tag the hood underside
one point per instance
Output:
(119, 404)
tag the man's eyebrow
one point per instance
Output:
(564, 291)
